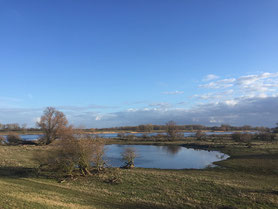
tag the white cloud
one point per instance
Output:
(252, 111)
(173, 92)
(98, 117)
(215, 95)
(249, 99)
(160, 105)
(265, 82)
(210, 77)
(231, 102)
(225, 83)
(256, 111)
(260, 85)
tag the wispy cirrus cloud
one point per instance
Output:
(160, 105)
(173, 92)
(224, 83)
(215, 95)
(256, 85)
(210, 77)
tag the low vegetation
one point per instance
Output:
(246, 180)
(128, 157)
(13, 139)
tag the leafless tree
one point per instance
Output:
(14, 139)
(97, 157)
(24, 127)
(171, 130)
(145, 128)
(2, 140)
(149, 127)
(70, 152)
(128, 156)
(52, 123)
(200, 135)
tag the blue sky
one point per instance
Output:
(112, 63)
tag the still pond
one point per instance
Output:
(164, 157)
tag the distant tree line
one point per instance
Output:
(16, 127)
(151, 127)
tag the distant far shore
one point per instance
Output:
(115, 132)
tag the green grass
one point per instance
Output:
(246, 180)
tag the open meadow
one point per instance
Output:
(248, 179)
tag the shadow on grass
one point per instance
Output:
(17, 172)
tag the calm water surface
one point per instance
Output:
(164, 157)
(115, 135)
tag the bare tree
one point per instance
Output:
(171, 130)
(200, 135)
(73, 150)
(52, 123)
(2, 140)
(128, 156)
(14, 139)
(69, 155)
(97, 157)
(24, 127)
(145, 127)
(149, 127)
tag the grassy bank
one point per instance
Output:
(248, 179)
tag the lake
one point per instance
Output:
(115, 135)
(164, 157)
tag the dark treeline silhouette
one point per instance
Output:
(150, 127)
(16, 127)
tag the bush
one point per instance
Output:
(200, 135)
(160, 137)
(2, 140)
(266, 136)
(121, 135)
(242, 137)
(14, 139)
(128, 157)
(69, 153)
(171, 130)
(111, 176)
(59, 158)
(95, 152)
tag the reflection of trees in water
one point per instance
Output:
(172, 149)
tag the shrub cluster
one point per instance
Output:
(2, 140)
(68, 153)
(14, 139)
(242, 137)
(266, 136)
(247, 137)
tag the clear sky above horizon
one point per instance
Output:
(112, 63)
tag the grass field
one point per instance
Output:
(249, 179)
